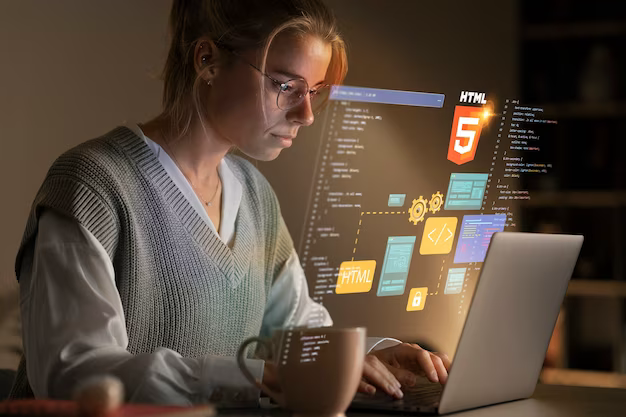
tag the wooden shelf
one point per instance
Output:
(571, 110)
(555, 31)
(599, 319)
(596, 288)
(606, 199)
(556, 376)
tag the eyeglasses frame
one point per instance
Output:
(281, 85)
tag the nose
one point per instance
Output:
(302, 113)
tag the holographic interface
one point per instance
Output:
(407, 191)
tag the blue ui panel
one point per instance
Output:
(395, 269)
(396, 200)
(454, 283)
(377, 95)
(466, 191)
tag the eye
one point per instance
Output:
(276, 85)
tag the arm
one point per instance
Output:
(289, 304)
(74, 327)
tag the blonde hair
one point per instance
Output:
(238, 25)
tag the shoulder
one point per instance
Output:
(100, 152)
(82, 184)
(106, 162)
(96, 171)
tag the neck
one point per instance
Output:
(197, 153)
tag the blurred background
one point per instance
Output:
(72, 70)
(573, 61)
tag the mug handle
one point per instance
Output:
(279, 398)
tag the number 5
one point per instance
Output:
(461, 133)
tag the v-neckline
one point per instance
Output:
(233, 262)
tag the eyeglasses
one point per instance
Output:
(292, 93)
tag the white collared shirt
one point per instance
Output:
(67, 277)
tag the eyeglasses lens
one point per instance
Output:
(294, 92)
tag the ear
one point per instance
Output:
(206, 58)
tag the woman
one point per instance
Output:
(151, 252)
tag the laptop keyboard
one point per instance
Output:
(428, 394)
(416, 398)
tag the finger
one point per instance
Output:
(425, 361)
(377, 374)
(406, 377)
(442, 373)
(445, 359)
(407, 357)
(366, 388)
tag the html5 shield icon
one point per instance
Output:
(466, 128)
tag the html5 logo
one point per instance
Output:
(466, 127)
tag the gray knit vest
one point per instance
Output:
(181, 287)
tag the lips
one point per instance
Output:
(285, 141)
(287, 137)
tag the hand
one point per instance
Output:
(397, 366)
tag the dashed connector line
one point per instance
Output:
(358, 232)
(363, 213)
(439, 280)
(461, 311)
(381, 212)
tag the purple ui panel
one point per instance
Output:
(476, 232)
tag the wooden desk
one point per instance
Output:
(560, 401)
(548, 401)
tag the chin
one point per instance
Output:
(263, 155)
(271, 155)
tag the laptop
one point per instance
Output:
(509, 324)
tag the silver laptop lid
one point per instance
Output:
(511, 319)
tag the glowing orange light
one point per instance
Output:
(487, 112)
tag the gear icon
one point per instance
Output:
(436, 202)
(418, 210)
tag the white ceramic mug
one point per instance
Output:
(319, 368)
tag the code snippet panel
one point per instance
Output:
(408, 189)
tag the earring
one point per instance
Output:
(208, 82)
(204, 60)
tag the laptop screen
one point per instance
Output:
(407, 189)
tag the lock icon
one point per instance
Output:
(417, 299)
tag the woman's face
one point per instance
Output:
(235, 100)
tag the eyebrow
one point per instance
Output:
(292, 75)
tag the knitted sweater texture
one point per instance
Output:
(181, 287)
